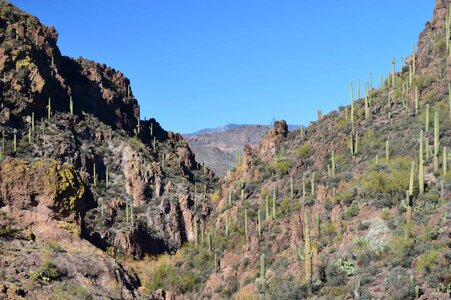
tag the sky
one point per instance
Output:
(197, 64)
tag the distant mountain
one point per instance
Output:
(218, 147)
(228, 127)
(214, 130)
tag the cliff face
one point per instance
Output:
(80, 173)
(33, 70)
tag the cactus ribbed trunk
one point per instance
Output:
(436, 140)
(421, 165)
(307, 251)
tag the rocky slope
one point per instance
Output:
(84, 182)
(356, 206)
(220, 148)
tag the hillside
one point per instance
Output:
(96, 203)
(83, 181)
(220, 148)
(356, 206)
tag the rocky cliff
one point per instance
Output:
(84, 182)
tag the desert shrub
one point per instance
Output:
(423, 81)
(400, 251)
(54, 247)
(384, 201)
(352, 211)
(288, 288)
(168, 277)
(304, 151)
(398, 284)
(47, 272)
(215, 196)
(335, 276)
(434, 266)
(280, 167)
(388, 179)
(64, 289)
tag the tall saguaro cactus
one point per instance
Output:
(259, 224)
(333, 162)
(436, 140)
(71, 106)
(246, 230)
(49, 109)
(421, 165)
(445, 159)
(393, 63)
(308, 254)
(387, 151)
(261, 281)
(15, 140)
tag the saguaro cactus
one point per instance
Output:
(94, 176)
(352, 105)
(412, 177)
(445, 158)
(259, 224)
(436, 140)
(107, 178)
(2, 149)
(246, 231)
(312, 184)
(333, 162)
(367, 108)
(416, 100)
(393, 63)
(421, 165)
(15, 140)
(226, 224)
(274, 207)
(49, 109)
(308, 254)
(409, 200)
(291, 188)
(71, 106)
(387, 150)
(317, 226)
(427, 119)
(261, 281)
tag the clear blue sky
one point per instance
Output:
(197, 64)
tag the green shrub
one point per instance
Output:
(392, 178)
(48, 271)
(398, 284)
(280, 167)
(304, 151)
